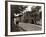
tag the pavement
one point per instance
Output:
(30, 27)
